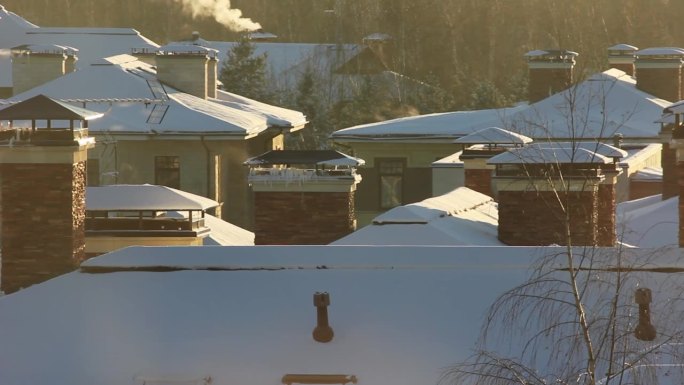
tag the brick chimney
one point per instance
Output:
(543, 187)
(677, 145)
(310, 204)
(186, 68)
(33, 65)
(43, 168)
(668, 154)
(484, 144)
(659, 72)
(622, 56)
(550, 71)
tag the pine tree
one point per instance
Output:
(243, 73)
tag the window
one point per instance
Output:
(167, 171)
(93, 172)
(391, 173)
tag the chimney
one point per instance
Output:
(677, 145)
(303, 197)
(668, 154)
(659, 72)
(43, 168)
(484, 144)
(550, 71)
(645, 331)
(185, 67)
(381, 45)
(544, 187)
(145, 55)
(33, 65)
(621, 56)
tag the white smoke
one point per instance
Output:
(222, 12)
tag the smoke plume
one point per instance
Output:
(222, 12)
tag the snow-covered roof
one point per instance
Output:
(245, 314)
(603, 105)
(661, 51)
(460, 217)
(648, 174)
(127, 91)
(143, 197)
(222, 233)
(450, 125)
(674, 108)
(493, 135)
(548, 155)
(649, 222)
(92, 43)
(598, 147)
(623, 47)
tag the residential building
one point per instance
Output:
(168, 125)
(603, 105)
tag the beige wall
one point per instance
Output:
(132, 162)
(417, 181)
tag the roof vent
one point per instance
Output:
(323, 332)
(645, 331)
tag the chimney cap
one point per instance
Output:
(536, 154)
(551, 55)
(186, 49)
(661, 52)
(493, 135)
(622, 48)
(377, 37)
(261, 35)
(45, 49)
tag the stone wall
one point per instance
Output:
(303, 218)
(605, 232)
(43, 215)
(670, 184)
(529, 218)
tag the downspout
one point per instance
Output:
(208, 170)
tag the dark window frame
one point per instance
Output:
(167, 171)
(390, 171)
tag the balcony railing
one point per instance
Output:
(295, 174)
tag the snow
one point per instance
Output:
(401, 315)
(125, 78)
(674, 108)
(172, 49)
(143, 197)
(623, 47)
(648, 174)
(493, 135)
(460, 217)
(661, 51)
(605, 104)
(539, 154)
(649, 222)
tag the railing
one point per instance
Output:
(142, 226)
(295, 174)
(52, 136)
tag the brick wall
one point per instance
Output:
(664, 83)
(642, 189)
(606, 205)
(547, 81)
(627, 68)
(670, 174)
(479, 180)
(302, 218)
(529, 218)
(43, 214)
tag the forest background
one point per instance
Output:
(470, 50)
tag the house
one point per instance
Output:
(341, 69)
(166, 125)
(118, 216)
(89, 44)
(245, 314)
(404, 149)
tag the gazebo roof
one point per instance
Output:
(43, 107)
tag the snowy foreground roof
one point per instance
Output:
(460, 217)
(401, 315)
(649, 222)
(134, 102)
(603, 105)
